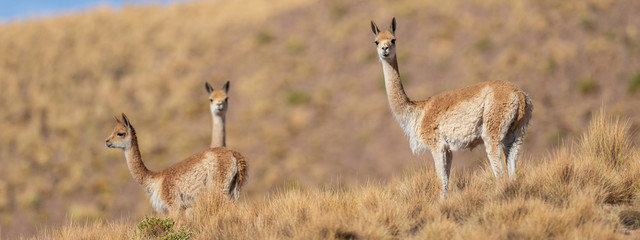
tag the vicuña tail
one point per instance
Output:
(241, 176)
(525, 108)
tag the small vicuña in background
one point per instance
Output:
(175, 188)
(218, 103)
(495, 113)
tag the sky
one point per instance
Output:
(23, 9)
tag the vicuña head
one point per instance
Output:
(218, 99)
(175, 188)
(495, 113)
(122, 134)
(385, 40)
(218, 103)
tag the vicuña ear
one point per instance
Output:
(116, 118)
(374, 28)
(393, 25)
(226, 87)
(126, 121)
(209, 88)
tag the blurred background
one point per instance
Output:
(307, 100)
(33, 9)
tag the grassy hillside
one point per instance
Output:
(307, 101)
(583, 190)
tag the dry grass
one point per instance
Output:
(584, 190)
(306, 105)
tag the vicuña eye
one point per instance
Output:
(377, 43)
(121, 134)
(210, 100)
(393, 41)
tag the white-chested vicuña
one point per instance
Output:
(495, 113)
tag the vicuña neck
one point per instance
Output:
(218, 131)
(134, 161)
(400, 103)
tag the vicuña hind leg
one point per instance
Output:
(494, 153)
(496, 122)
(511, 152)
(442, 161)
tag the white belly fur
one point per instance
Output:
(155, 198)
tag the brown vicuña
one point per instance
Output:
(218, 103)
(175, 188)
(495, 113)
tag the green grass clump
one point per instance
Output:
(587, 24)
(296, 46)
(296, 97)
(338, 10)
(588, 85)
(483, 44)
(549, 66)
(264, 37)
(634, 83)
(157, 228)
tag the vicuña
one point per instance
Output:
(218, 103)
(495, 113)
(174, 189)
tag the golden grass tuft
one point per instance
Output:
(607, 140)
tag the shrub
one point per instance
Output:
(154, 227)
